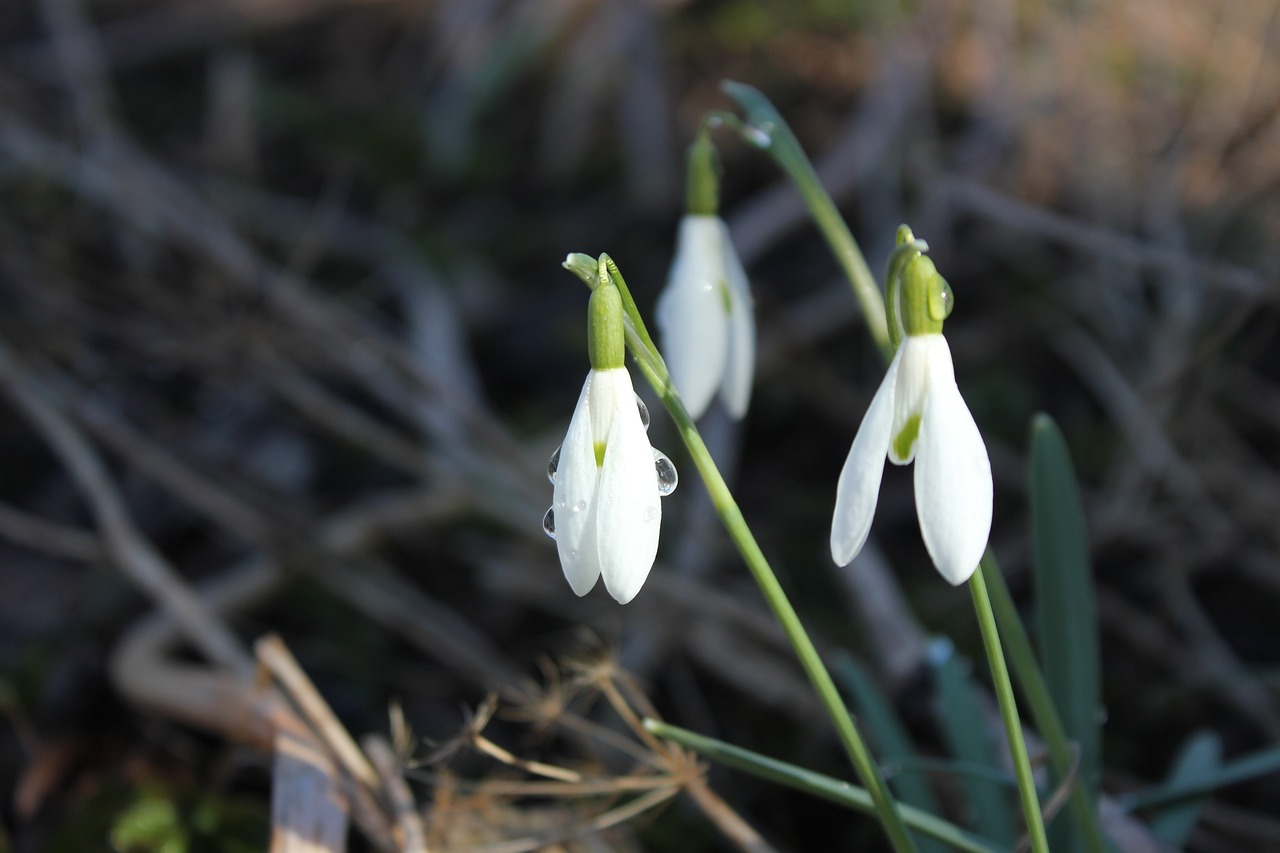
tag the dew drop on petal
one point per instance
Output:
(549, 523)
(552, 465)
(644, 414)
(666, 471)
(579, 506)
(759, 136)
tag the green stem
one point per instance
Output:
(817, 784)
(654, 369)
(1036, 691)
(769, 132)
(1009, 712)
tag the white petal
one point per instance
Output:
(629, 508)
(918, 352)
(574, 498)
(859, 485)
(691, 313)
(952, 479)
(735, 388)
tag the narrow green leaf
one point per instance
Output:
(835, 790)
(1199, 758)
(1260, 763)
(1066, 609)
(970, 742)
(895, 747)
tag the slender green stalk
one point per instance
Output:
(819, 785)
(769, 132)
(1009, 711)
(1036, 691)
(655, 371)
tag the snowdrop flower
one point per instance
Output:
(705, 313)
(606, 511)
(918, 414)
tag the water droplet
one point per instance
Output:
(579, 506)
(666, 470)
(759, 136)
(549, 523)
(573, 553)
(651, 514)
(644, 413)
(552, 465)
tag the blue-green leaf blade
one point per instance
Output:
(966, 728)
(1201, 757)
(1065, 606)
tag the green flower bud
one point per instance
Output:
(926, 297)
(606, 342)
(702, 193)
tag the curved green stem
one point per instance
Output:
(655, 371)
(769, 132)
(818, 784)
(1036, 691)
(1009, 712)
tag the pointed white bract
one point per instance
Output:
(606, 501)
(918, 414)
(706, 319)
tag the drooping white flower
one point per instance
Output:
(606, 510)
(706, 319)
(918, 414)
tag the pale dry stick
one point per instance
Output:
(1150, 444)
(1150, 638)
(585, 788)
(365, 791)
(308, 806)
(272, 653)
(1217, 659)
(83, 69)
(145, 196)
(129, 550)
(435, 627)
(410, 833)
(345, 420)
(172, 29)
(56, 540)
(1021, 216)
(158, 464)
(682, 764)
(595, 825)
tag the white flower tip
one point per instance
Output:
(953, 485)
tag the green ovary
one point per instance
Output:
(906, 438)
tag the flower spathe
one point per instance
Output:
(606, 501)
(918, 414)
(706, 319)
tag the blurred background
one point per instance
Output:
(285, 345)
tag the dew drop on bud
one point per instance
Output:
(651, 513)
(552, 465)
(644, 412)
(666, 470)
(549, 523)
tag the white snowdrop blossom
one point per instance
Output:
(706, 319)
(918, 414)
(606, 509)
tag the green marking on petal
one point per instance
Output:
(599, 447)
(726, 297)
(906, 439)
